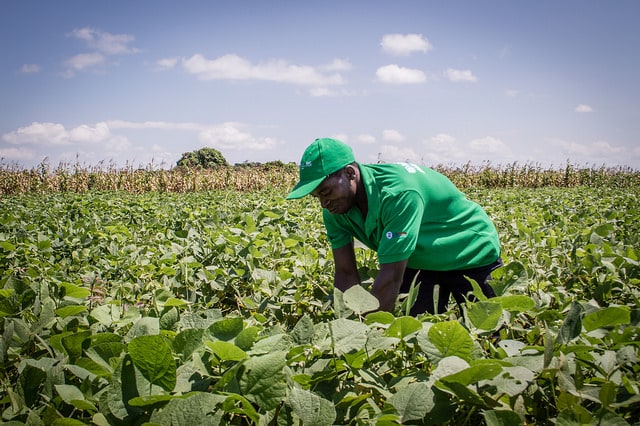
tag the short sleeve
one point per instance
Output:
(401, 218)
(337, 235)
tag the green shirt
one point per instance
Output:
(418, 214)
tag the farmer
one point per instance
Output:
(421, 226)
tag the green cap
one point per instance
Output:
(323, 157)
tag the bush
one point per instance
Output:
(206, 158)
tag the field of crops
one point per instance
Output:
(122, 308)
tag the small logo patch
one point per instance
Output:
(306, 164)
(391, 235)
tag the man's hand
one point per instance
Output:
(346, 275)
(387, 284)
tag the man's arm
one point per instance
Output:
(346, 274)
(387, 284)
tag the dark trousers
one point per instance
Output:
(451, 283)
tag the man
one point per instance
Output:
(415, 218)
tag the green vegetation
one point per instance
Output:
(216, 307)
(279, 176)
(206, 158)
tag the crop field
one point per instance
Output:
(217, 307)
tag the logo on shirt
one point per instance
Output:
(391, 235)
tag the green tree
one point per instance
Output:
(207, 158)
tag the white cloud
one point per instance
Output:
(38, 134)
(234, 67)
(490, 145)
(366, 139)
(231, 136)
(16, 154)
(88, 134)
(598, 151)
(405, 44)
(583, 108)
(30, 68)
(395, 74)
(327, 92)
(392, 135)
(102, 44)
(442, 149)
(341, 137)
(166, 64)
(109, 139)
(83, 61)
(163, 125)
(460, 75)
(338, 65)
(107, 43)
(392, 153)
(512, 93)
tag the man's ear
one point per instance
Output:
(351, 173)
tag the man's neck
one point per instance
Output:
(361, 197)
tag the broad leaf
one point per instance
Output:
(413, 401)
(153, 357)
(449, 338)
(484, 315)
(607, 317)
(264, 380)
(311, 408)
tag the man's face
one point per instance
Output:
(337, 192)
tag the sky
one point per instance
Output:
(139, 83)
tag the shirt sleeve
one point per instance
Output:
(337, 235)
(401, 218)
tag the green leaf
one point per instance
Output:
(451, 339)
(502, 418)
(199, 408)
(70, 310)
(172, 301)
(264, 380)
(188, 341)
(360, 300)
(73, 343)
(227, 328)
(226, 351)
(484, 315)
(106, 354)
(515, 302)
(311, 408)
(149, 400)
(303, 331)
(379, 317)
(512, 381)
(247, 337)
(7, 246)
(69, 393)
(607, 317)
(403, 327)
(413, 401)
(72, 290)
(347, 335)
(229, 405)
(144, 327)
(474, 373)
(572, 325)
(153, 357)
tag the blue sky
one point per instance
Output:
(432, 82)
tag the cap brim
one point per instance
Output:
(302, 189)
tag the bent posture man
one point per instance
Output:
(415, 218)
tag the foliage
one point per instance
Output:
(276, 175)
(206, 158)
(217, 308)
